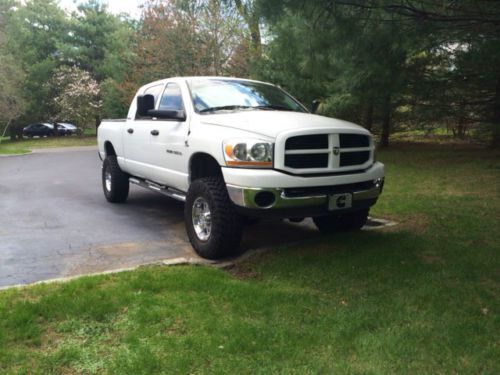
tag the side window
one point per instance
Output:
(155, 91)
(172, 98)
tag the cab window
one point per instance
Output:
(172, 98)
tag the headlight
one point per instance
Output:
(248, 153)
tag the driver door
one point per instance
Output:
(168, 142)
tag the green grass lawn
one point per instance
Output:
(443, 136)
(421, 298)
(26, 145)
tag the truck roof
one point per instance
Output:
(189, 78)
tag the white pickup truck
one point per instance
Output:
(233, 149)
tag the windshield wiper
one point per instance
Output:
(276, 107)
(224, 107)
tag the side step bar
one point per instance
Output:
(169, 192)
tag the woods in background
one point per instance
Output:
(390, 66)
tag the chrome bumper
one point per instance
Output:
(275, 198)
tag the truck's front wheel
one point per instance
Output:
(115, 182)
(213, 226)
(341, 222)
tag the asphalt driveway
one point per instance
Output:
(55, 222)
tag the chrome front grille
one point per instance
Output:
(306, 161)
(353, 158)
(304, 142)
(353, 140)
(323, 153)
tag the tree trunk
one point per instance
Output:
(255, 35)
(251, 18)
(386, 123)
(368, 116)
(15, 132)
(495, 140)
(461, 128)
(5, 129)
(461, 122)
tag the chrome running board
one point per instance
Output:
(165, 190)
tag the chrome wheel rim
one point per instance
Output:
(107, 180)
(202, 220)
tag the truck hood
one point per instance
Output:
(271, 123)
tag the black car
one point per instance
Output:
(69, 128)
(42, 130)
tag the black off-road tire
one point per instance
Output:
(118, 191)
(226, 224)
(346, 222)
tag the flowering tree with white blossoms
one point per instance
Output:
(77, 96)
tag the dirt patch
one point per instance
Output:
(131, 248)
(242, 267)
(176, 329)
(27, 297)
(242, 272)
(50, 339)
(122, 255)
(121, 248)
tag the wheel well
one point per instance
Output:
(108, 147)
(203, 165)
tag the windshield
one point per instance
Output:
(214, 95)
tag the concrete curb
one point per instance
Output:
(167, 262)
(69, 278)
(196, 262)
(51, 150)
(12, 155)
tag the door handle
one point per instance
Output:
(130, 130)
(155, 132)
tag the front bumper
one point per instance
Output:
(276, 198)
(296, 198)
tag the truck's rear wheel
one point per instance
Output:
(114, 181)
(341, 222)
(213, 226)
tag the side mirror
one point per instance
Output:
(145, 103)
(167, 114)
(315, 105)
